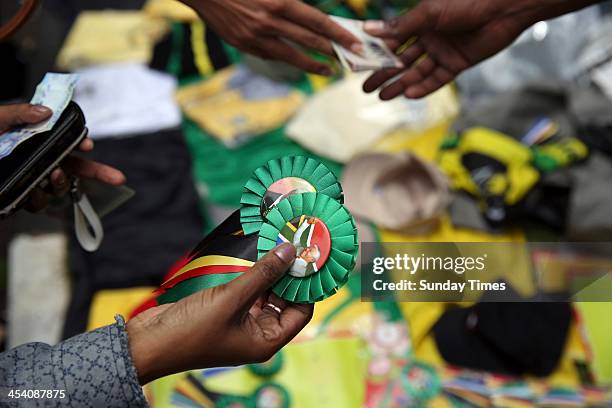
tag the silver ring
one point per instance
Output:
(275, 308)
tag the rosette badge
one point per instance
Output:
(292, 199)
(279, 179)
(325, 237)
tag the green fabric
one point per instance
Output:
(193, 285)
(221, 172)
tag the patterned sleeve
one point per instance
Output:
(94, 369)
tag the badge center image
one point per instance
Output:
(292, 199)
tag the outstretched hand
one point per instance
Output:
(232, 324)
(276, 29)
(449, 37)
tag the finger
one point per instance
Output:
(23, 113)
(281, 51)
(415, 74)
(403, 27)
(435, 81)
(279, 329)
(86, 145)
(312, 19)
(408, 57)
(245, 289)
(258, 306)
(59, 182)
(94, 170)
(304, 37)
(37, 200)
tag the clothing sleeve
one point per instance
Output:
(94, 369)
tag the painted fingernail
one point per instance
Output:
(374, 26)
(286, 252)
(41, 110)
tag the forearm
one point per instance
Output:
(94, 369)
(538, 10)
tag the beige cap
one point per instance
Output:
(395, 191)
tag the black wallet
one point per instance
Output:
(34, 159)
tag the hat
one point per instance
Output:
(395, 191)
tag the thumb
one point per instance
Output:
(400, 28)
(248, 287)
(23, 113)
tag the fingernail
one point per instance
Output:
(326, 71)
(286, 252)
(357, 48)
(40, 109)
(374, 26)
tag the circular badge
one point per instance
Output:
(312, 244)
(271, 396)
(268, 368)
(282, 189)
(325, 237)
(279, 179)
(420, 381)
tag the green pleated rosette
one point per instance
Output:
(341, 252)
(271, 395)
(281, 176)
(268, 368)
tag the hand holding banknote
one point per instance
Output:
(446, 37)
(28, 114)
(276, 29)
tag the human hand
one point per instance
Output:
(25, 114)
(275, 29)
(450, 36)
(237, 323)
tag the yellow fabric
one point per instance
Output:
(170, 9)
(227, 115)
(596, 316)
(200, 48)
(425, 144)
(210, 260)
(107, 303)
(519, 177)
(316, 373)
(108, 36)
(565, 151)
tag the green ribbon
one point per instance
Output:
(193, 285)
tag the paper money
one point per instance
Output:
(376, 55)
(55, 92)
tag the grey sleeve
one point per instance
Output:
(94, 369)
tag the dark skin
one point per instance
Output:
(226, 325)
(450, 36)
(276, 29)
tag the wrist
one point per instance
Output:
(532, 11)
(144, 351)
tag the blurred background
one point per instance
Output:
(188, 118)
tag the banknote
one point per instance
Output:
(376, 55)
(55, 92)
